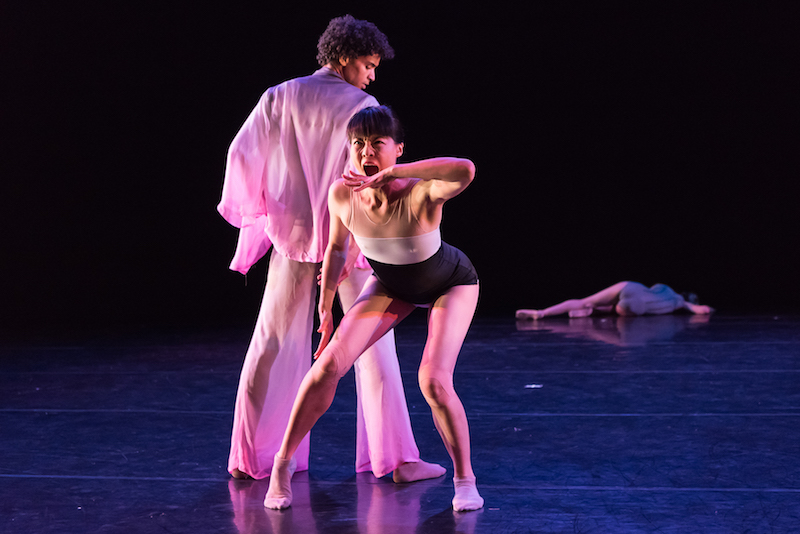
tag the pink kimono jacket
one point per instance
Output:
(281, 164)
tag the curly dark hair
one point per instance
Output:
(350, 38)
(375, 121)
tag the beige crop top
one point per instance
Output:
(392, 250)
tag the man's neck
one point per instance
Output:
(336, 68)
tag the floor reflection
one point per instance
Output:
(617, 330)
(362, 504)
(251, 517)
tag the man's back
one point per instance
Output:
(281, 163)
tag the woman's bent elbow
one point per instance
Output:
(469, 169)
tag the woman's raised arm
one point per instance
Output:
(447, 176)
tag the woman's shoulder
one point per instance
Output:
(338, 195)
(338, 190)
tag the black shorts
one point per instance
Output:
(424, 282)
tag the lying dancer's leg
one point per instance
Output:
(373, 314)
(448, 323)
(384, 439)
(603, 300)
(279, 349)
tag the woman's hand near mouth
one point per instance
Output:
(373, 178)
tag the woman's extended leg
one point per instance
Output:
(448, 322)
(372, 315)
(384, 439)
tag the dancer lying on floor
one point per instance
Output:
(393, 211)
(624, 298)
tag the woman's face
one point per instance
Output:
(372, 154)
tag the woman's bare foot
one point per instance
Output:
(530, 314)
(413, 471)
(240, 475)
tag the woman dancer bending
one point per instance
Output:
(393, 211)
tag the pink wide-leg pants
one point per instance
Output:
(278, 358)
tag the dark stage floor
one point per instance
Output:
(651, 424)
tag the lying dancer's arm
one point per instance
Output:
(698, 309)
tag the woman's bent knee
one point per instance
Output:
(434, 392)
(331, 365)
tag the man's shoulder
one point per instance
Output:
(289, 84)
(322, 89)
(324, 80)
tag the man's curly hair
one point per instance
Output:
(350, 38)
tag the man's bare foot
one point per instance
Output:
(530, 314)
(240, 475)
(413, 471)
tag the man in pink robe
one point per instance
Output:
(279, 168)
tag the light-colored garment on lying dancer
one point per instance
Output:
(280, 165)
(639, 299)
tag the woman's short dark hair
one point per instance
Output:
(375, 121)
(350, 38)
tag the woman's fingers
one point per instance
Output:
(360, 182)
(326, 329)
(352, 178)
(323, 342)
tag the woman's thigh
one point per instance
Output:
(372, 315)
(448, 322)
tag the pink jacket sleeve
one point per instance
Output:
(242, 203)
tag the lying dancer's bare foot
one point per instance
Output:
(279, 494)
(530, 314)
(467, 497)
(413, 471)
(240, 475)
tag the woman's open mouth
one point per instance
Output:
(369, 170)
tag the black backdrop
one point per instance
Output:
(648, 141)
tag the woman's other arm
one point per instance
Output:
(333, 262)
